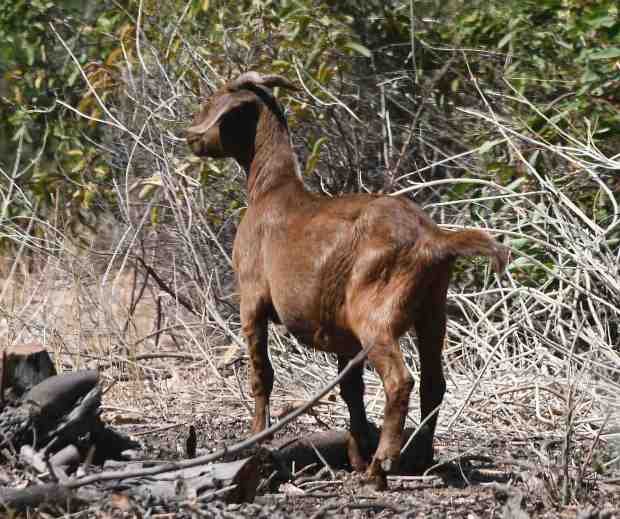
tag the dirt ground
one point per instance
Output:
(488, 465)
(499, 483)
(508, 477)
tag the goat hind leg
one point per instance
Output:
(430, 330)
(361, 442)
(387, 359)
(261, 370)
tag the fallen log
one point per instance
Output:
(57, 396)
(59, 411)
(61, 408)
(232, 450)
(234, 482)
(246, 471)
(65, 460)
(20, 500)
(292, 454)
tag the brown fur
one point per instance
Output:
(341, 274)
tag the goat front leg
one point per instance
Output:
(362, 436)
(254, 328)
(387, 359)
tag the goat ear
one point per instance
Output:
(224, 105)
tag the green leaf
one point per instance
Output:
(154, 215)
(504, 41)
(30, 55)
(601, 19)
(520, 263)
(609, 53)
(317, 145)
(487, 146)
(360, 49)
(314, 156)
(147, 191)
(81, 164)
(519, 243)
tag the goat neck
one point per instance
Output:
(273, 163)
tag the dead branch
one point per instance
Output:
(164, 286)
(19, 500)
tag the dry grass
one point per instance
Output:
(530, 364)
(532, 359)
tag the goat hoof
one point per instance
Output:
(376, 476)
(377, 481)
(380, 482)
(358, 464)
(387, 465)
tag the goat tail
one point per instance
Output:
(470, 242)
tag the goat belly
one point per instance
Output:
(336, 340)
(332, 341)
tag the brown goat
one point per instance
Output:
(341, 273)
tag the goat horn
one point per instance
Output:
(254, 78)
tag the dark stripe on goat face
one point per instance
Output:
(237, 133)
